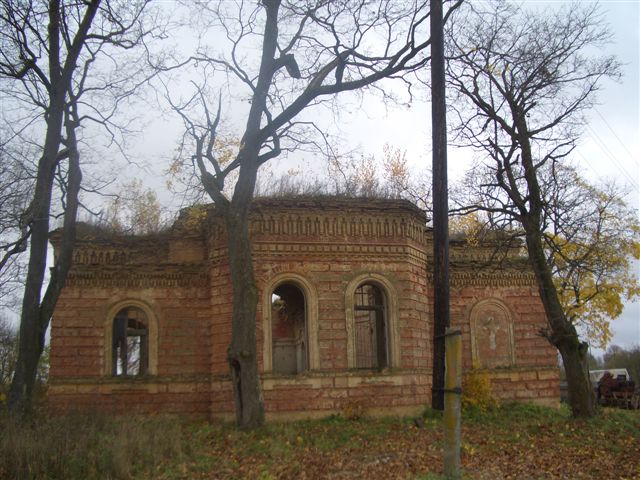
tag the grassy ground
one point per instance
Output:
(516, 442)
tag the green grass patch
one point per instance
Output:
(519, 413)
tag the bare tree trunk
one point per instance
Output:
(242, 353)
(36, 313)
(31, 342)
(562, 333)
(242, 350)
(582, 397)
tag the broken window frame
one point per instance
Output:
(377, 356)
(302, 358)
(130, 343)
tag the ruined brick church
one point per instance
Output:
(345, 314)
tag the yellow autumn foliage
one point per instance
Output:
(135, 209)
(594, 272)
(183, 175)
(477, 391)
(470, 226)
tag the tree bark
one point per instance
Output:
(32, 335)
(562, 333)
(241, 354)
(36, 311)
(582, 397)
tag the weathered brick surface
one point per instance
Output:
(183, 278)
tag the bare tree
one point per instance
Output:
(523, 83)
(16, 181)
(51, 51)
(134, 210)
(308, 53)
(8, 340)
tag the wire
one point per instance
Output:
(616, 135)
(612, 157)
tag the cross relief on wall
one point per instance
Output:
(491, 335)
(492, 327)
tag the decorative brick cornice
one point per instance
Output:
(329, 220)
(135, 278)
(332, 225)
(329, 251)
(488, 254)
(101, 256)
(460, 278)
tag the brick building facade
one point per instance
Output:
(344, 316)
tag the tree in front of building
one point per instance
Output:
(62, 68)
(284, 60)
(522, 82)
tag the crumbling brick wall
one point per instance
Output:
(326, 249)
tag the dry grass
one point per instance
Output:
(510, 442)
(86, 446)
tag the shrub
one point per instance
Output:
(477, 392)
(354, 410)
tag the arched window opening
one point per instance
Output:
(370, 314)
(289, 330)
(130, 343)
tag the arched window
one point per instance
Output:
(131, 339)
(130, 343)
(370, 322)
(290, 325)
(289, 330)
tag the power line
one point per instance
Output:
(603, 146)
(616, 135)
(588, 161)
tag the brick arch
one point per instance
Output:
(392, 316)
(311, 311)
(492, 341)
(153, 334)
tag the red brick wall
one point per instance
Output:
(158, 395)
(331, 275)
(531, 349)
(185, 282)
(78, 376)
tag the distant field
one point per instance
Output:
(516, 442)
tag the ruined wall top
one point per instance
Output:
(199, 234)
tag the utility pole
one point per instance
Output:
(440, 205)
(452, 414)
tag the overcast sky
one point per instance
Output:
(611, 147)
